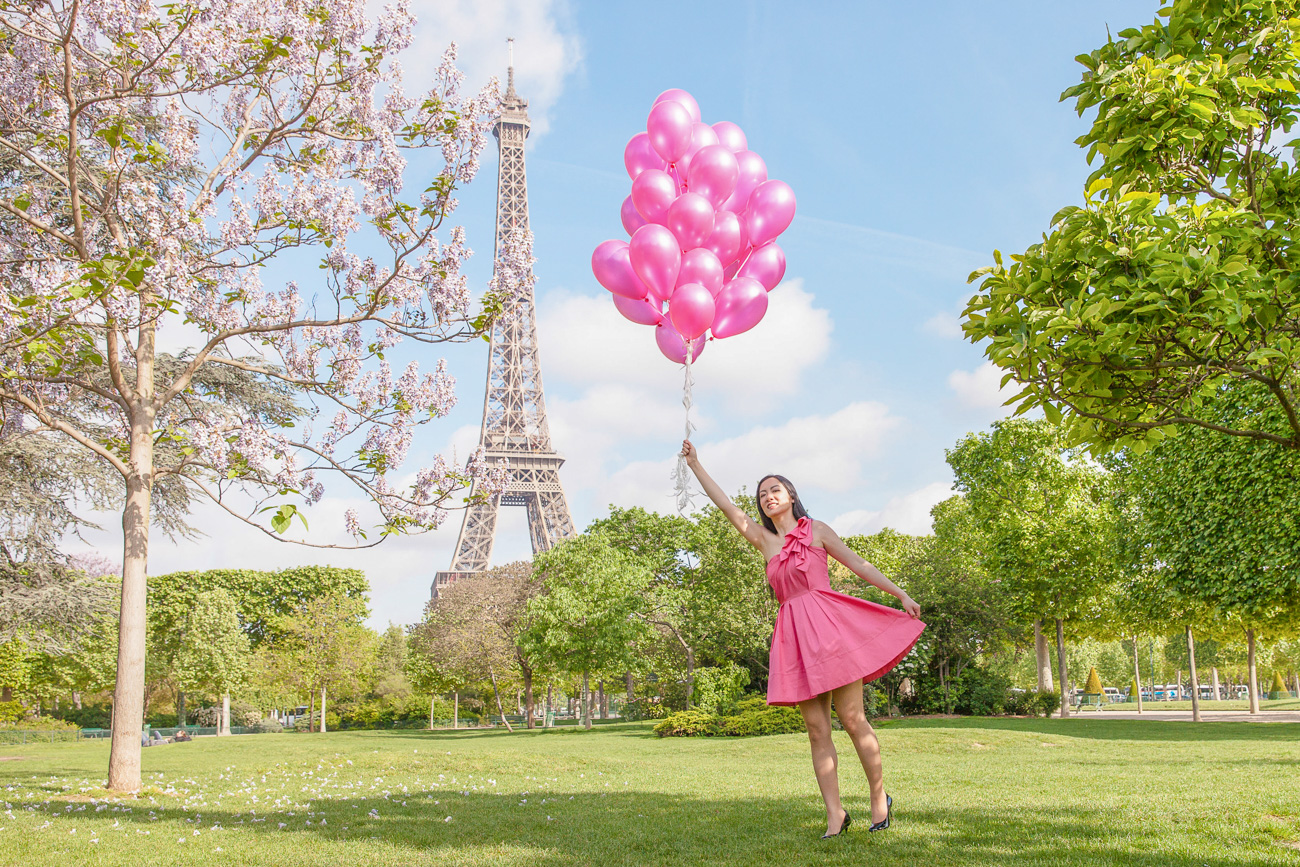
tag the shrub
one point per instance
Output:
(243, 713)
(40, 724)
(270, 724)
(209, 717)
(1278, 689)
(751, 704)
(12, 711)
(1048, 701)
(980, 692)
(688, 723)
(772, 721)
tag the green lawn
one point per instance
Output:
(990, 792)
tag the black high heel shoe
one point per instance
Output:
(848, 820)
(889, 814)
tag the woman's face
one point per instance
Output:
(773, 498)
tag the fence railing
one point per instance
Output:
(12, 737)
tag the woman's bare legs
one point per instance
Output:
(848, 706)
(817, 717)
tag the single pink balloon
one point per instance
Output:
(691, 310)
(612, 265)
(669, 127)
(766, 265)
(676, 94)
(714, 171)
(673, 345)
(640, 155)
(690, 219)
(656, 259)
(632, 220)
(732, 136)
(702, 135)
(701, 266)
(639, 310)
(753, 171)
(727, 238)
(740, 306)
(729, 271)
(652, 192)
(771, 208)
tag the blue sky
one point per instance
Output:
(917, 138)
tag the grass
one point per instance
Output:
(967, 791)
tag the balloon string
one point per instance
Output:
(682, 476)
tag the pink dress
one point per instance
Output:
(823, 639)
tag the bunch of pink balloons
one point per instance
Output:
(703, 219)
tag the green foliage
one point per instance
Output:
(976, 691)
(584, 620)
(11, 711)
(689, 723)
(1032, 702)
(718, 688)
(1216, 518)
(213, 651)
(1176, 276)
(1278, 689)
(1045, 514)
(746, 723)
(1093, 685)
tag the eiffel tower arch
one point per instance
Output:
(514, 406)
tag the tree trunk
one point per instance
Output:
(529, 705)
(1214, 681)
(546, 720)
(311, 710)
(602, 700)
(1061, 668)
(1178, 681)
(128, 692)
(943, 682)
(631, 687)
(1044, 658)
(690, 675)
(76, 698)
(223, 725)
(323, 726)
(1191, 672)
(519, 701)
(180, 707)
(1250, 670)
(1295, 682)
(455, 709)
(492, 673)
(433, 701)
(6, 694)
(586, 701)
(1137, 673)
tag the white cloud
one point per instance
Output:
(946, 325)
(547, 51)
(585, 342)
(909, 513)
(982, 387)
(817, 453)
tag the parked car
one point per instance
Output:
(1113, 695)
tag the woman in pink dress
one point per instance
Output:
(825, 644)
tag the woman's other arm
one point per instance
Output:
(835, 547)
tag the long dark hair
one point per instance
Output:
(796, 507)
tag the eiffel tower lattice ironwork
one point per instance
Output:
(514, 408)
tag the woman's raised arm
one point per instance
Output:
(748, 527)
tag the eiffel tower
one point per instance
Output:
(514, 408)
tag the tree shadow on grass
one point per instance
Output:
(1118, 729)
(662, 829)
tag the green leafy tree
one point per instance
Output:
(585, 619)
(1177, 275)
(1047, 520)
(214, 652)
(324, 643)
(967, 612)
(1219, 516)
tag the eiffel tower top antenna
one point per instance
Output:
(514, 405)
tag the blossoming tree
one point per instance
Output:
(155, 159)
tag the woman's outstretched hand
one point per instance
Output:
(910, 606)
(691, 455)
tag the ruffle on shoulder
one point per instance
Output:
(798, 544)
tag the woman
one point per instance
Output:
(825, 644)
